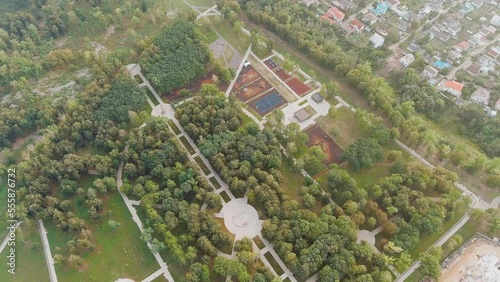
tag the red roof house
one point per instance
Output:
(357, 25)
(335, 14)
(453, 87)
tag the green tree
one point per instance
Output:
(363, 153)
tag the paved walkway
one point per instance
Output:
(237, 73)
(241, 219)
(321, 109)
(6, 238)
(46, 251)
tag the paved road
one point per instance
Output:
(46, 250)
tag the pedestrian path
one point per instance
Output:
(46, 250)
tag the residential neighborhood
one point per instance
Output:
(451, 44)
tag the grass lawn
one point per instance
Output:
(215, 183)
(89, 149)
(239, 40)
(174, 127)
(225, 196)
(347, 123)
(186, 144)
(258, 242)
(118, 253)
(30, 263)
(292, 181)
(274, 263)
(151, 96)
(3, 207)
(202, 165)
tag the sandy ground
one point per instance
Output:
(469, 257)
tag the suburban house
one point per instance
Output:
(369, 18)
(495, 20)
(403, 26)
(462, 46)
(309, 2)
(377, 40)
(381, 9)
(494, 52)
(473, 70)
(481, 96)
(381, 31)
(357, 25)
(487, 30)
(453, 27)
(344, 5)
(393, 3)
(413, 47)
(453, 87)
(429, 72)
(477, 3)
(454, 56)
(333, 15)
(437, 32)
(407, 59)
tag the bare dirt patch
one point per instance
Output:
(318, 137)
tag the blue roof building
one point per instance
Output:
(381, 9)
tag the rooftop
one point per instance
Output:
(302, 115)
(453, 85)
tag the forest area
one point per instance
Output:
(416, 109)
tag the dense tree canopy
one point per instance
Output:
(363, 153)
(177, 56)
(124, 96)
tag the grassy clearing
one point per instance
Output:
(237, 39)
(186, 144)
(133, 260)
(138, 79)
(258, 242)
(89, 149)
(303, 102)
(174, 127)
(30, 263)
(274, 263)
(292, 181)
(346, 122)
(310, 110)
(225, 196)
(215, 183)
(202, 165)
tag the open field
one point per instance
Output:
(225, 196)
(133, 260)
(318, 137)
(30, 259)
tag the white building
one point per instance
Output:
(377, 40)
(407, 59)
